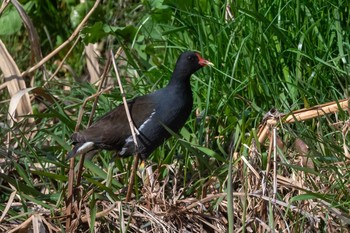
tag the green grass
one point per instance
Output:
(278, 54)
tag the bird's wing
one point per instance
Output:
(113, 128)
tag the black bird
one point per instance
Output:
(169, 106)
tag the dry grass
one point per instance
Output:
(263, 197)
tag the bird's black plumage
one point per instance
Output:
(169, 106)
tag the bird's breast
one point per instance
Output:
(175, 111)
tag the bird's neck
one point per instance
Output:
(181, 86)
(180, 78)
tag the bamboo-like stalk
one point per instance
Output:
(132, 128)
(303, 115)
(316, 111)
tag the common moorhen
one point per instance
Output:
(169, 106)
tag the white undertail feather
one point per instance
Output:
(85, 147)
(127, 141)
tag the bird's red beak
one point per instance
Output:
(203, 62)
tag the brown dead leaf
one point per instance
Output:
(14, 82)
(32, 33)
(92, 62)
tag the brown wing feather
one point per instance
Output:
(112, 129)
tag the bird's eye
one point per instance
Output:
(190, 58)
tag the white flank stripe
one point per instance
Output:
(85, 147)
(130, 139)
(147, 121)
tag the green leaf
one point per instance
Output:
(36, 200)
(10, 21)
(20, 186)
(303, 197)
(161, 15)
(22, 173)
(93, 211)
(99, 172)
(128, 32)
(94, 33)
(78, 12)
(210, 153)
(51, 175)
(304, 169)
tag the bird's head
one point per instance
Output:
(187, 64)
